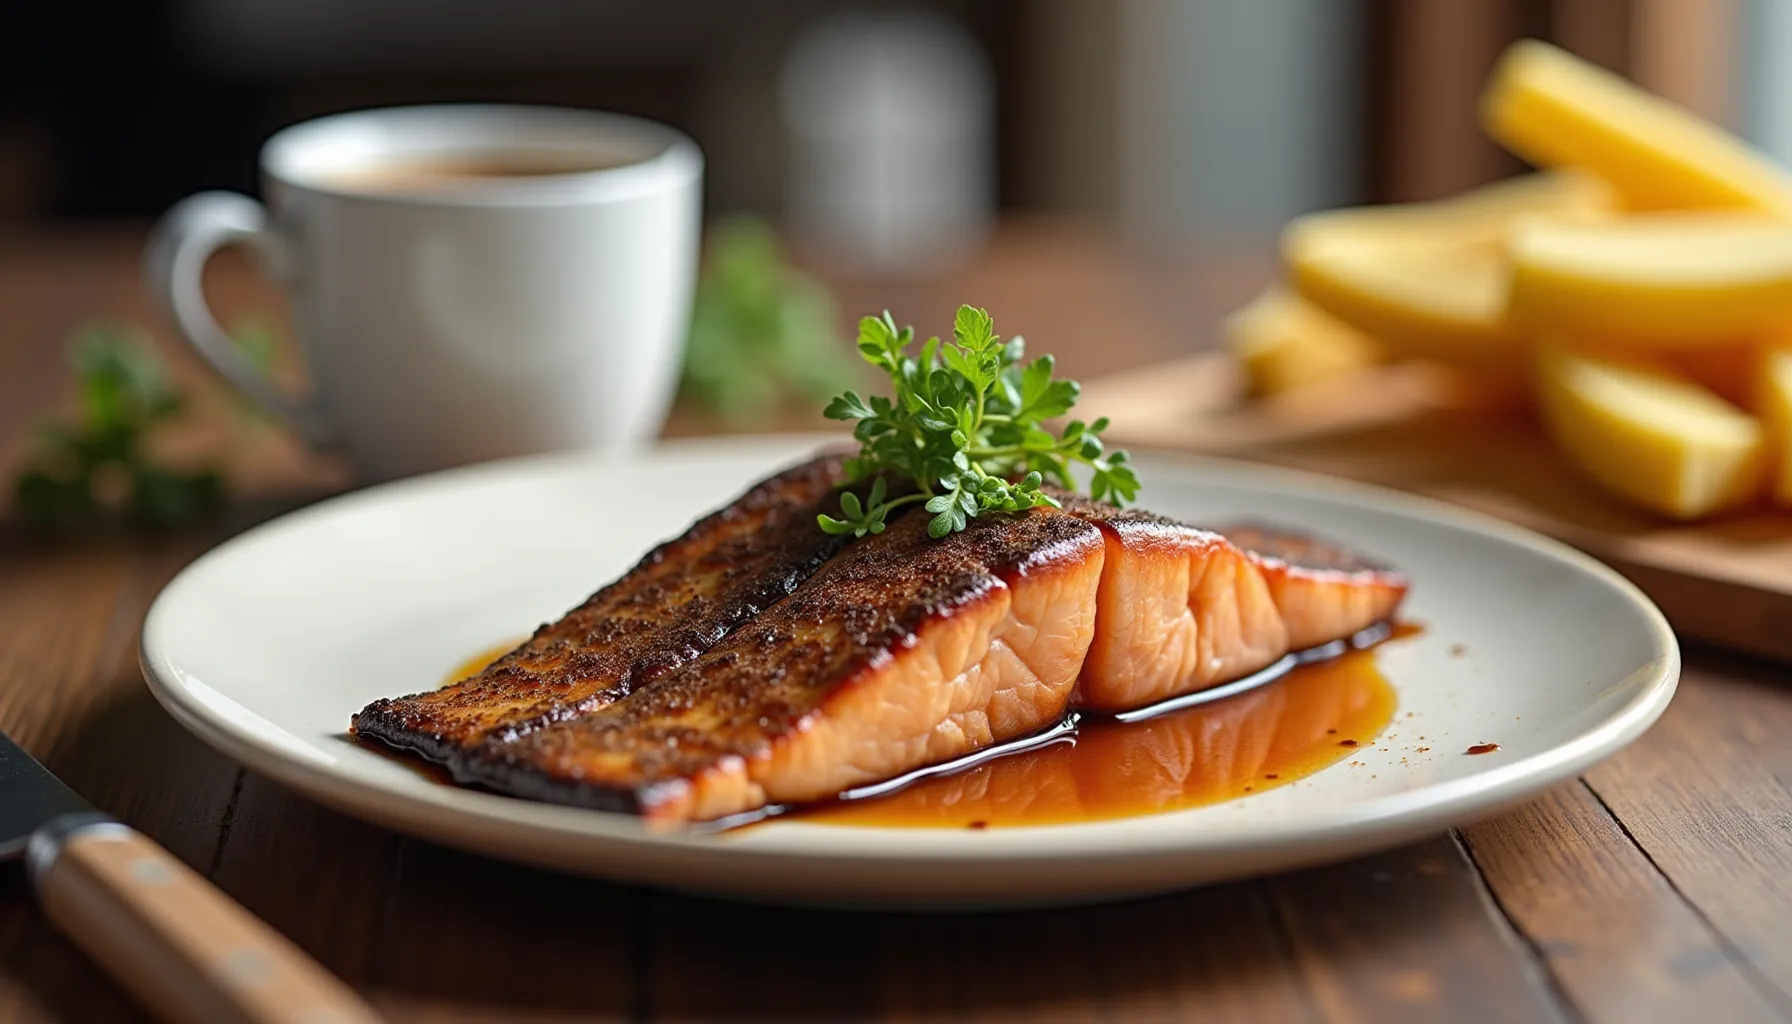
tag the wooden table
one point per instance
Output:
(1658, 887)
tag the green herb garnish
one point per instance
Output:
(762, 334)
(966, 425)
(82, 470)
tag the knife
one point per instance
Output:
(164, 932)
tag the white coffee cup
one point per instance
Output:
(468, 282)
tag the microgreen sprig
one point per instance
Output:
(102, 462)
(965, 424)
(762, 332)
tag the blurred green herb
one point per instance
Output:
(99, 465)
(966, 424)
(258, 341)
(762, 334)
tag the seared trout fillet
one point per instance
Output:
(673, 605)
(1194, 756)
(1324, 592)
(901, 652)
(1181, 609)
(756, 660)
(1184, 609)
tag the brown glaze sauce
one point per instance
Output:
(1255, 741)
(478, 662)
(1091, 768)
(431, 771)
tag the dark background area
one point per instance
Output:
(119, 109)
(116, 109)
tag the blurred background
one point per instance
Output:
(1108, 177)
(1169, 118)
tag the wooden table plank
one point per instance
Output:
(714, 960)
(1214, 955)
(465, 938)
(60, 630)
(1616, 936)
(51, 282)
(1707, 794)
(1211, 954)
(1409, 935)
(317, 876)
(124, 753)
(96, 725)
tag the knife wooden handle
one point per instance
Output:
(183, 947)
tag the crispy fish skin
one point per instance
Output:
(1324, 591)
(902, 652)
(673, 605)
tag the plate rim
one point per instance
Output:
(1397, 814)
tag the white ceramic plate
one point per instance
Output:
(265, 647)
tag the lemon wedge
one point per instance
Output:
(1773, 397)
(1284, 343)
(1429, 280)
(1479, 216)
(1658, 280)
(1731, 371)
(1419, 298)
(1557, 110)
(1650, 437)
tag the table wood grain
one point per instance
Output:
(1657, 887)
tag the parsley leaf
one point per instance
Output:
(81, 471)
(967, 425)
(762, 334)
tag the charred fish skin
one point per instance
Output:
(900, 653)
(1303, 550)
(678, 601)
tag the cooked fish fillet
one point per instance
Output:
(673, 605)
(1193, 756)
(755, 660)
(1183, 609)
(1324, 592)
(900, 653)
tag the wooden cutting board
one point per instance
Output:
(1414, 428)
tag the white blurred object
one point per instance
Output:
(891, 117)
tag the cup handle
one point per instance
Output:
(174, 264)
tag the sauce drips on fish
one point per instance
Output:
(1293, 721)
(1105, 768)
(477, 663)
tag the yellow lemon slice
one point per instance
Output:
(1557, 110)
(1650, 437)
(1773, 397)
(1429, 279)
(1285, 343)
(1420, 299)
(1659, 280)
(1479, 216)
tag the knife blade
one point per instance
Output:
(184, 948)
(31, 799)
